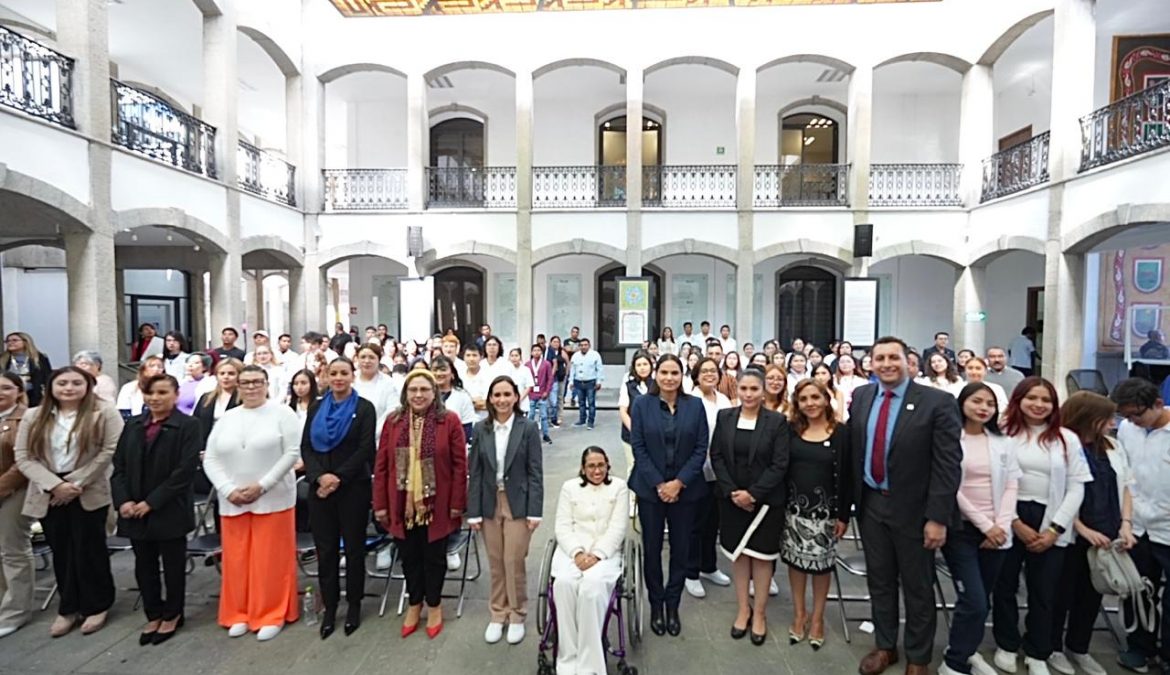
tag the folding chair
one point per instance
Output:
(42, 552)
(467, 546)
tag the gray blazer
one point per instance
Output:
(523, 470)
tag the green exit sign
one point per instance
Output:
(719, 150)
(975, 317)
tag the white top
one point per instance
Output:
(624, 393)
(460, 366)
(1020, 351)
(746, 424)
(176, 367)
(208, 383)
(502, 432)
(154, 348)
(255, 445)
(729, 344)
(523, 379)
(1001, 399)
(460, 403)
(592, 518)
(712, 409)
(502, 366)
(476, 386)
(130, 398)
(941, 383)
(1050, 479)
(277, 385)
(1149, 459)
(381, 391)
(794, 379)
(668, 347)
(63, 449)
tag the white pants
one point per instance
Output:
(582, 599)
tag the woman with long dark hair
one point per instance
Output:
(147, 344)
(302, 392)
(174, 355)
(704, 562)
(637, 383)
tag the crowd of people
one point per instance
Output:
(757, 458)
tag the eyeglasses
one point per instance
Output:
(245, 384)
(1136, 415)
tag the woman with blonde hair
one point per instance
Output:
(776, 387)
(65, 447)
(131, 397)
(20, 356)
(223, 398)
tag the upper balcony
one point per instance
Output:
(35, 79)
(1128, 127)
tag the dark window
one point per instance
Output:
(457, 144)
(806, 305)
(459, 293)
(808, 138)
(611, 152)
(605, 342)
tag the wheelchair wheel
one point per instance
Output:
(542, 605)
(633, 592)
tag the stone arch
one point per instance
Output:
(939, 58)
(718, 64)
(467, 65)
(824, 101)
(822, 59)
(208, 7)
(41, 33)
(345, 252)
(272, 49)
(1096, 230)
(1005, 39)
(585, 61)
(986, 254)
(926, 248)
(274, 247)
(20, 191)
(19, 243)
(577, 247)
(435, 259)
(692, 247)
(836, 257)
(350, 68)
(648, 110)
(206, 236)
(453, 110)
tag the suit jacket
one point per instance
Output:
(649, 444)
(11, 479)
(206, 413)
(161, 473)
(923, 459)
(931, 351)
(352, 459)
(38, 376)
(767, 461)
(92, 472)
(523, 470)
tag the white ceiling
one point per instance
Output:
(151, 235)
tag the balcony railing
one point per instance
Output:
(1016, 168)
(689, 186)
(267, 175)
(578, 187)
(150, 126)
(802, 185)
(365, 189)
(35, 79)
(1135, 124)
(489, 187)
(915, 185)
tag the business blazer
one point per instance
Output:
(649, 444)
(11, 479)
(38, 376)
(161, 473)
(523, 470)
(923, 459)
(352, 459)
(768, 458)
(206, 413)
(92, 472)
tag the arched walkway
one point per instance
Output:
(176, 219)
(1105, 225)
(577, 247)
(31, 207)
(691, 247)
(944, 253)
(436, 259)
(834, 257)
(992, 250)
(268, 252)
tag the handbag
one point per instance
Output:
(1113, 573)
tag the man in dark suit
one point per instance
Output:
(905, 474)
(941, 339)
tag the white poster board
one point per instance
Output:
(417, 313)
(860, 311)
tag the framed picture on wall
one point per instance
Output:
(1139, 62)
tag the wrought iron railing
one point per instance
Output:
(265, 174)
(576, 187)
(801, 185)
(35, 79)
(148, 125)
(915, 184)
(1130, 126)
(489, 187)
(365, 189)
(1016, 168)
(689, 185)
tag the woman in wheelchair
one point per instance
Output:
(592, 513)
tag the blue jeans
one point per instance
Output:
(974, 571)
(554, 396)
(536, 408)
(587, 400)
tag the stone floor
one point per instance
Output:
(203, 647)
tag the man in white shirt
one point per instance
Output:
(259, 339)
(1144, 436)
(586, 373)
(704, 332)
(688, 334)
(725, 339)
(476, 380)
(285, 352)
(1022, 351)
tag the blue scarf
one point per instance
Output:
(332, 422)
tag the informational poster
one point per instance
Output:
(688, 300)
(633, 310)
(564, 303)
(418, 305)
(860, 320)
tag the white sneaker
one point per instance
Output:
(494, 632)
(695, 588)
(944, 669)
(980, 666)
(5, 632)
(515, 633)
(385, 559)
(453, 562)
(1005, 660)
(1086, 663)
(1036, 666)
(1060, 663)
(238, 629)
(773, 589)
(751, 588)
(266, 633)
(717, 577)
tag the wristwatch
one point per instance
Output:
(1057, 529)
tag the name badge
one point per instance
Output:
(536, 389)
(909, 406)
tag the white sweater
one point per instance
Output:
(255, 445)
(592, 518)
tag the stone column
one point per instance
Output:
(83, 34)
(525, 322)
(635, 80)
(417, 141)
(296, 303)
(1073, 57)
(976, 130)
(859, 134)
(294, 139)
(220, 94)
(313, 280)
(255, 296)
(1062, 340)
(970, 332)
(745, 266)
(198, 328)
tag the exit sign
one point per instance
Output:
(719, 150)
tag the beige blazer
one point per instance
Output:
(92, 472)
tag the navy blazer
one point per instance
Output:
(649, 443)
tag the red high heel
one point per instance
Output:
(408, 630)
(433, 632)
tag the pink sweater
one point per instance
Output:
(976, 501)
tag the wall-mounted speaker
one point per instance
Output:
(863, 240)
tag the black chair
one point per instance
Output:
(1084, 379)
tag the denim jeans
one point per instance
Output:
(973, 571)
(554, 398)
(539, 409)
(586, 400)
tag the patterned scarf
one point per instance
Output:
(415, 462)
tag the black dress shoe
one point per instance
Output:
(161, 637)
(353, 619)
(760, 638)
(146, 638)
(657, 623)
(328, 622)
(673, 625)
(739, 633)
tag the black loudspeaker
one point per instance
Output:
(863, 240)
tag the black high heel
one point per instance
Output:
(161, 637)
(353, 619)
(328, 623)
(759, 638)
(739, 633)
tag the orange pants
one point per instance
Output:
(259, 585)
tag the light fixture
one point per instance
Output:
(133, 237)
(808, 140)
(170, 237)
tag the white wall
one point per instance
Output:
(716, 271)
(587, 267)
(699, 102)
(1022, 81)
(1008, 279)
(915, 127)
(565, 104)
(36, 302)
(921, 299)
(377, 135)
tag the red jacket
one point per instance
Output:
(450, 477)
(542, 379)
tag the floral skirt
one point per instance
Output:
(808, 544)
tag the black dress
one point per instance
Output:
(814, 482)
(754, 533)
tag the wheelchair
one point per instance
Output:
(626, 605)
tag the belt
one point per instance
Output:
(884, 493)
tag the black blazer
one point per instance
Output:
(649, 444)
(351, 461)
(767, 459)
(206, 413)
(38, 377)
(923, 458)
(523, 470)
(161, 474)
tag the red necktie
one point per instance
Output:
(877, 464)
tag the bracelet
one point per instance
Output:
(1127, 520)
